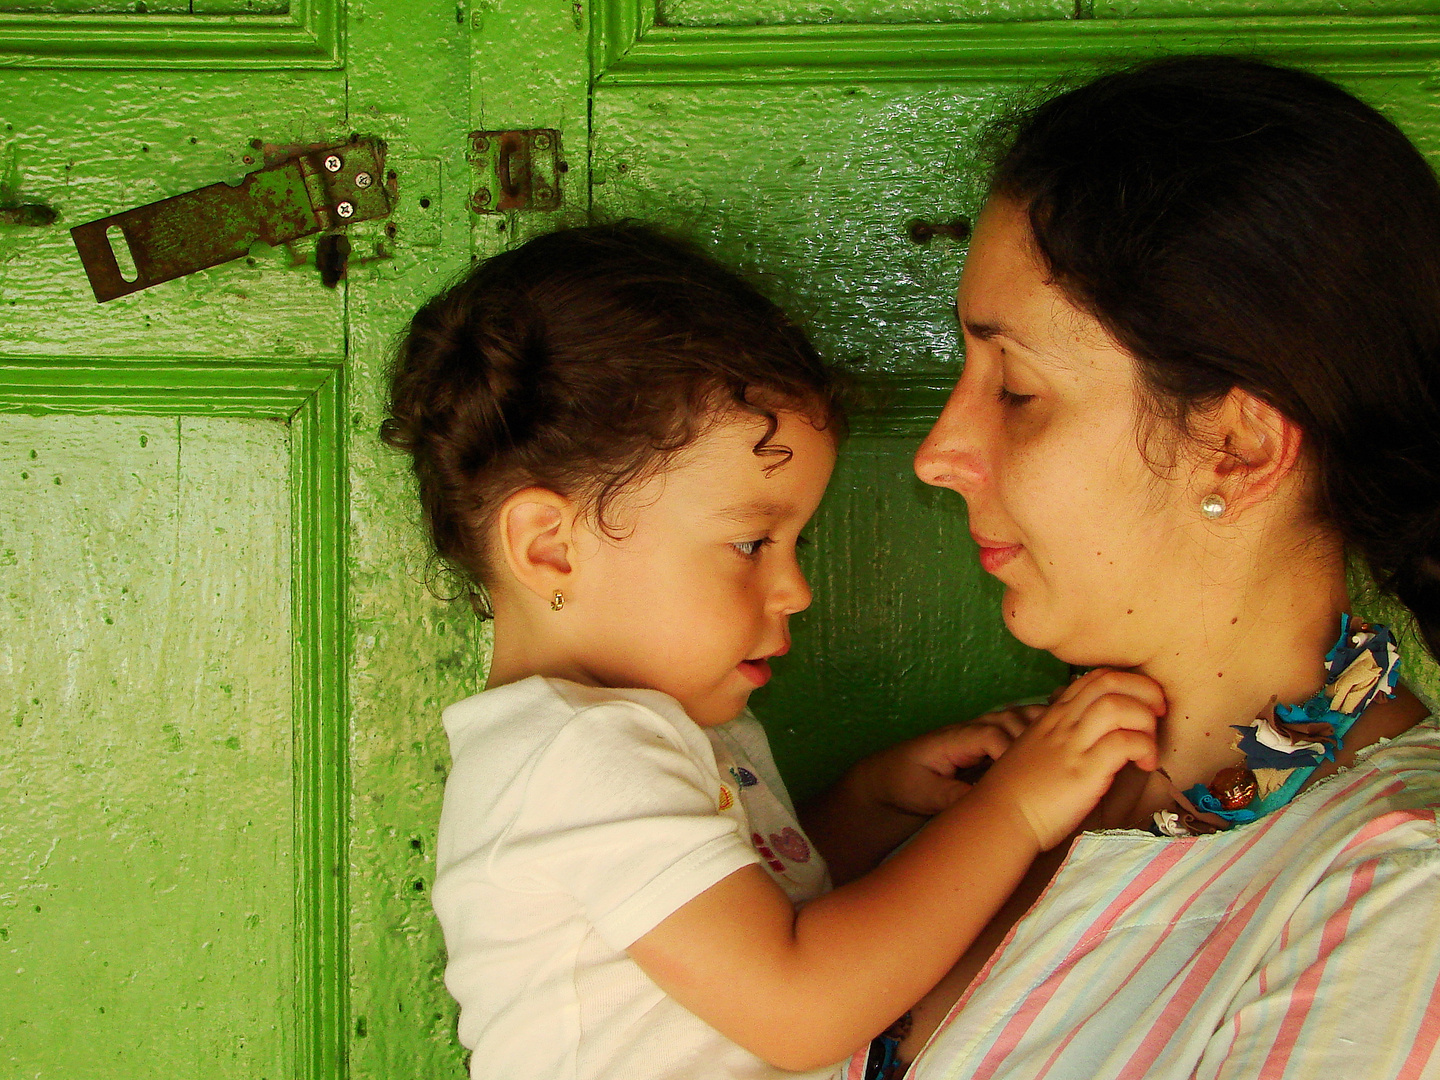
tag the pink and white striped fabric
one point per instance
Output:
(1305, 945)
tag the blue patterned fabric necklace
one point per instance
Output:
(1287, 743)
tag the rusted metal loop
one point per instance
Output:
(922, 232)
(508, 183)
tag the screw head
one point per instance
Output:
(363, 180)
(332, 163)
(542, 141)
(345, 209)
(481, 145)
(481, 197)
(543, 194)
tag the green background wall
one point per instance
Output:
(220, 671)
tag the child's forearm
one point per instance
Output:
(830, 977)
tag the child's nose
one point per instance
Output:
(791, 592)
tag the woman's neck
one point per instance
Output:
(1247, 647)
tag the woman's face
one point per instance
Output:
(1097, 552)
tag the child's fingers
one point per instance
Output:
(1123, 745)
(1084, 691)
(959, 746)
(1013, 721)
(986, 740)
(1109, 712)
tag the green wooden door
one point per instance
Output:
(221, 763)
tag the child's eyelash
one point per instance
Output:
(1008, 397)
(751, 548)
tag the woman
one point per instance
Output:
(1202, 323)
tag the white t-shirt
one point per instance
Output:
(575, 820)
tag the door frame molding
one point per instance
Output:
(310, 35)
(630, 49)
(309, 398)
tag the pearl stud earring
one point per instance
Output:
(1212, 506)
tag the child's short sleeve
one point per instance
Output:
(623, 812)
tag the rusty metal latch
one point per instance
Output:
(313, 191)
(515, 170)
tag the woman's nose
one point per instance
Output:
(951, 455)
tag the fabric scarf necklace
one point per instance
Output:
(1287, 743)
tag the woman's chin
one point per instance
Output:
(1067, 643)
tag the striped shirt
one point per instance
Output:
(1305, 945)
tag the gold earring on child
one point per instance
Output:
(557, 601)
(1212, 506)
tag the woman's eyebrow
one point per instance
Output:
(986, 330)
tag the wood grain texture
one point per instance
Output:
(409, 654)
(147, 846)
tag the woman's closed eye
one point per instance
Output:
(1009, 397)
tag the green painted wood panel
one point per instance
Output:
(272, 34)
(873, 12)
(146, 852)
(410, 654)
(92, 143)
(748, 12)
(798, 150)
(812, 189)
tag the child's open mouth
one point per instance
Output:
(757, 671)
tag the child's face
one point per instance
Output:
(697, 592)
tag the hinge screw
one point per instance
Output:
(363, 180)
(542, 141)
(543, 194)
(345, 209)
(481, 145)
(332, 164)
(480, 200)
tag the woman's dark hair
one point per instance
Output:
(582, 361)
(1236, 224)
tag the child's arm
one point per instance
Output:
(883, 799)
(805, 989)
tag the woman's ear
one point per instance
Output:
(1255, 448)
(536, 538)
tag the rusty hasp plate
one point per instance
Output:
(319, 189)
(515, 170)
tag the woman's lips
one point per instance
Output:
(993, 555)
(757, 671)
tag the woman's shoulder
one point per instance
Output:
(1383, 806)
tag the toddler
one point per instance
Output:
(617, 444)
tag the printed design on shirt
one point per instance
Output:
(766, 854)
(726, 799)
(791, 845)
(743, 776)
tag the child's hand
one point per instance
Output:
(918, 776)
(1059, 767)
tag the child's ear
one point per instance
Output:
(536, 537)
(1256, 448)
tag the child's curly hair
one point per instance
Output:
(582, 361)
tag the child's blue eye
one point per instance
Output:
(751, 548)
